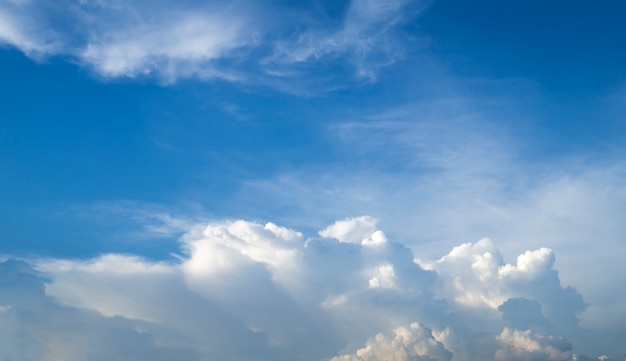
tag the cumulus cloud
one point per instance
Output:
(526, 346)
(220, 245)
(383, 277)
(243, 290)
(474, 275)
(412, 343)
(352, 230)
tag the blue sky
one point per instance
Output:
(213, 149)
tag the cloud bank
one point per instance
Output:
(242, 290)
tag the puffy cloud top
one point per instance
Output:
(524, 345)
(353, 230)
(412, 343)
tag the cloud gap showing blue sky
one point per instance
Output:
(357, 180)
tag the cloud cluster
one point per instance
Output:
(242, 290)
(446, 172)
(527, 295)
(412, 343)
(526, 346)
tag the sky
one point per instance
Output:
(360, 180)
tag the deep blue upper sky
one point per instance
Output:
(73, 136)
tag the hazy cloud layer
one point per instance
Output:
(242, 290)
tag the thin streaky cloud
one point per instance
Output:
(169, 42)
(366, 37)
(130, 39)
(26, 34)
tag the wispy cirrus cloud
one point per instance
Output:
(130, 39)
(175, 42)
(187, 39)
(367, 36)
(26, 31)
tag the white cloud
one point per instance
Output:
(224, 247)
(526, 346)
(131, 38)
(353, 230)
(248, 270)
(412, 343)
(217, 39)
(182, 45)
(365, 36)
(25, 33)
(377, 238)
(383, 277)
(475, 276)
(111, 263)
(530, 264)
(471, 271)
